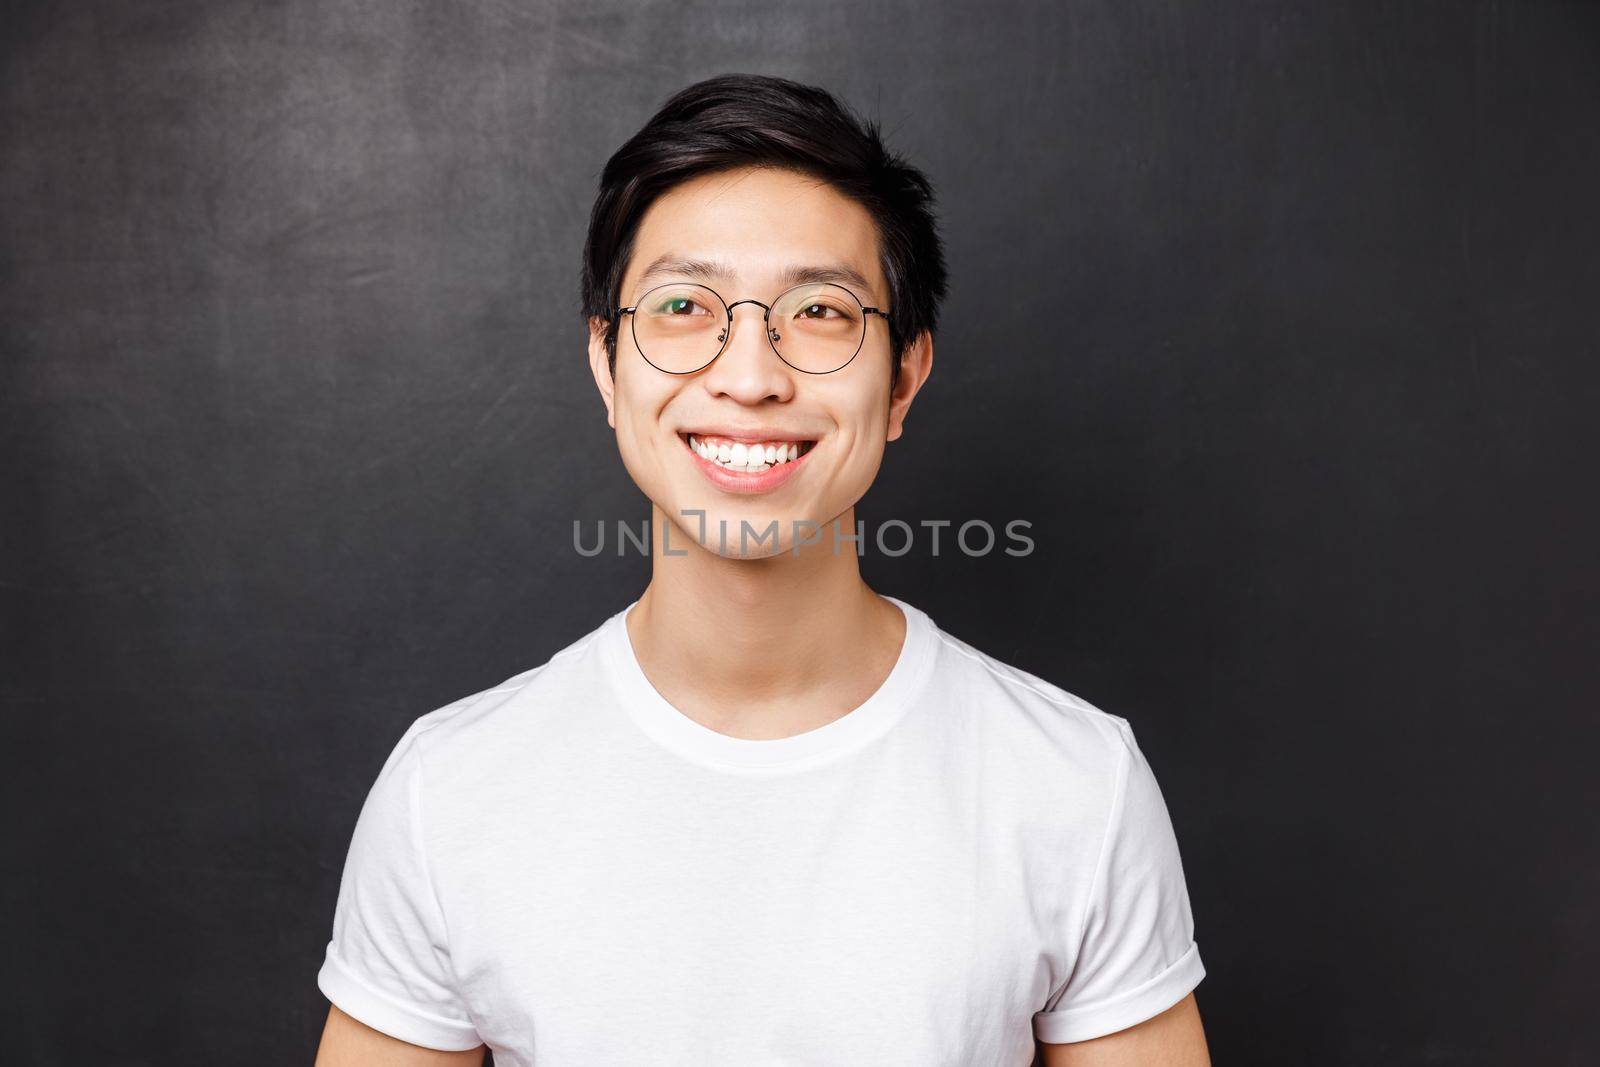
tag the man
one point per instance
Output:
(763, 815)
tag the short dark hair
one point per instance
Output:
(740, 120)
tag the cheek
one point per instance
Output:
(637, 444)
(642, 439)
(865, 459)
(867, 423)
(863, 442)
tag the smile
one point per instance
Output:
(750, 466)
(746, 457)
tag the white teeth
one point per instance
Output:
(745, 458)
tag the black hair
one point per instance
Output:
(740, 120)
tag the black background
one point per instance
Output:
(1277, 321)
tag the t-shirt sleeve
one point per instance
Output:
(389, 964)
(1137, 955)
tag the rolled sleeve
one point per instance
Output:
(388, 963)
(1136, 953)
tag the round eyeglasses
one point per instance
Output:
(816, 328)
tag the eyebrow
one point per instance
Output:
(671, 265)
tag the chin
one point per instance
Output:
(722, 529)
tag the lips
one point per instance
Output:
(753, 476)
(746, 456)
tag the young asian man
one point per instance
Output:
(763, 814)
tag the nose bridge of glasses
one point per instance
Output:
(766, 311)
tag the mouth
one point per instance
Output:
(746, 456)
(748, 465)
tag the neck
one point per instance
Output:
(762, 647)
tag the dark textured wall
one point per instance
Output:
(1288, 309)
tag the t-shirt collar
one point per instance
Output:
(666, 724)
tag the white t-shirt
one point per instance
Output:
(570, 870)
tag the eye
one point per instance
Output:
(818, 311)
(678, 305)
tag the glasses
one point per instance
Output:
(816, 328)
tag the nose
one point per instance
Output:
(748, 370)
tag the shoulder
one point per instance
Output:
(1005, 701)
(467, 735)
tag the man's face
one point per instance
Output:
(759, 224)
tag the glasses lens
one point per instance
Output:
(818, 328)
(680, 327)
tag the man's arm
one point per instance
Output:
(349, 1042)
(1172, 1039)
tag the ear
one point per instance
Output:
(915, 366)
(601, 368)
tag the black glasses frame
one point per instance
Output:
(766, 320)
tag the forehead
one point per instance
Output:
(762, 223)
